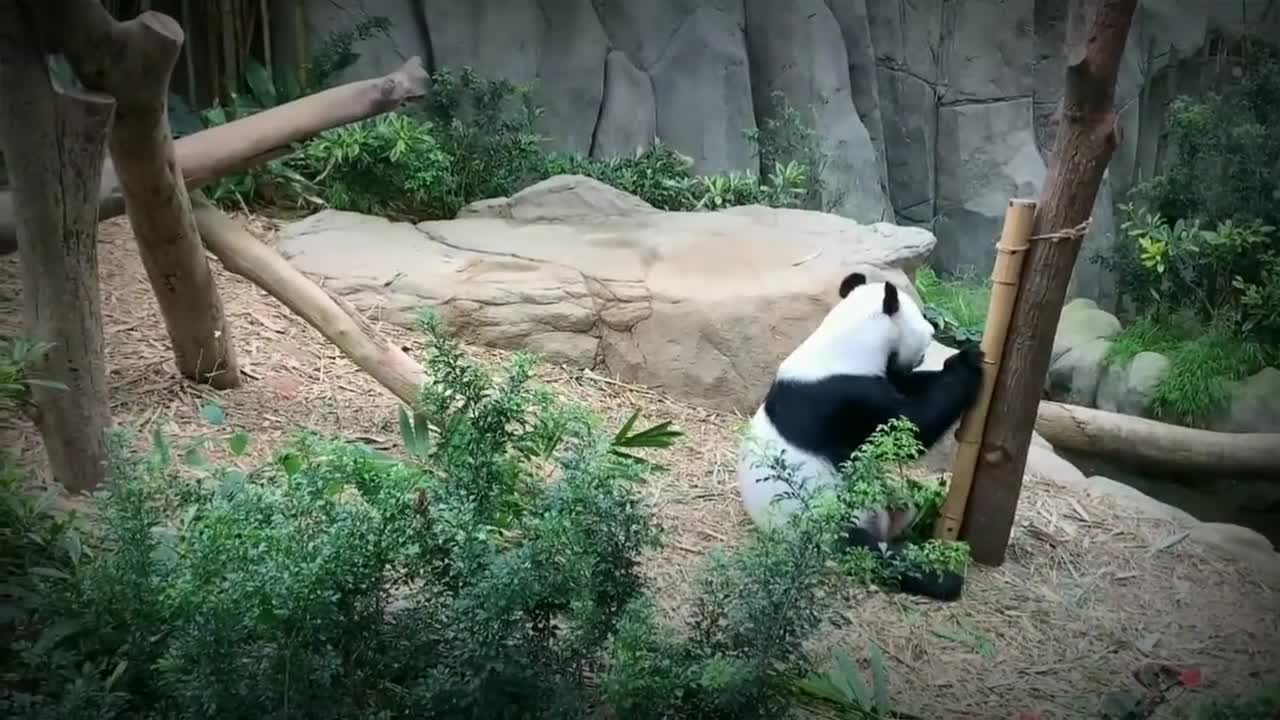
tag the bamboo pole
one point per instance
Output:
(1015, 239)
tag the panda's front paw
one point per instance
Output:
(968, 359)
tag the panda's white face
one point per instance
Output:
(915, 334)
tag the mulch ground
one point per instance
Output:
(1090, 592)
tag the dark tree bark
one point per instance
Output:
(1087, 135)
(54, 141)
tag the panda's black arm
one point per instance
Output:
(913, 383)
(936, 405)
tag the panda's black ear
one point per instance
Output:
(891, 303)
(851, 281)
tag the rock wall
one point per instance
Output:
(935, 112)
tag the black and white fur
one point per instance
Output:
(855, 372)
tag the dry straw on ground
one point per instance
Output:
(1089, 593)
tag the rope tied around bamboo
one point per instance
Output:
(1076, 233)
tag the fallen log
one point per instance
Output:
(211, 154)
(243, 254)
(1156, 445)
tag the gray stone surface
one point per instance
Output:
(803, 56)
(628, 113)
(953, 102)
(1254, 405)
(703, 305)
(1075, 375)
(1082, 321)
(1128, 388)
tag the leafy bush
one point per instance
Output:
(476, 138)
(1202, 365)
(494, 572)
(1229, 274)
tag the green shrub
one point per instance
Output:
(494, 571)
(1202, 365)
(476, 138)
(957, 305)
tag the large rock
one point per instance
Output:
(1082, 321)
(701, 305)
(817, 84)
(696, 55)
(1127, 388)
(1075, 375)
(1254, 406)
(992, 157)
(628, 117)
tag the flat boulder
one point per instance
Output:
(702, 305)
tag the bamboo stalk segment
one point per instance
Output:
(1015, 239)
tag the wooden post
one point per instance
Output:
(1087, 134)
(134, 61)
(55, 139)
(1005, 277)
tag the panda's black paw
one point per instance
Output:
(968, 359)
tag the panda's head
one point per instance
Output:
(873, 326)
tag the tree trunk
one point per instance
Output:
(244, 255)
(209, 155)
(54, 142)
(133, 61)
(1087, 135)
(1156, 445)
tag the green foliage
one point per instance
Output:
(1229, 274)
(1199, 253)
(844, 687)
(1227, 162)
(753, 611)
(1200, 370)
(1143, 335)
(492, 572)
(785, 140)
(957, 306)
(1202, 365)
(476, 138)
(17, 355)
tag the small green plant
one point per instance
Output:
(844, 686)
(17, 355)
(957, 306)
(785, 140)
(1200, 371)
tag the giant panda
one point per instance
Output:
(856, 371)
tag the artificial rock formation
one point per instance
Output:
(935, 113)
(702, 305)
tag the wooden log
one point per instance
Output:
(54, 140)
(1005, 276)
(209, 155)
(1087, 134)
(244, 255)
(1157, 446)
(134, 61)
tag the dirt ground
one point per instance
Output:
(1088, 595)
